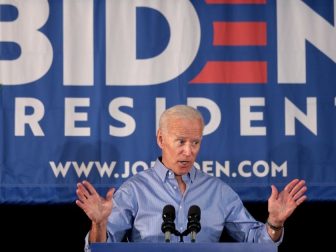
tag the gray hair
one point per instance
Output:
(179, 111)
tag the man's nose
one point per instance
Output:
(187, 149)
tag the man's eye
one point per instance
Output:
(181, 141)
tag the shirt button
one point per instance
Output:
(180, 207)
(175, 187)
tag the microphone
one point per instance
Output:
(194, 225)
(168, 225)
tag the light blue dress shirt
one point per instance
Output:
(138, 205)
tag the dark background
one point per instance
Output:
(63, 227)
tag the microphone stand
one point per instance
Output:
(177, 233)
(184, 233)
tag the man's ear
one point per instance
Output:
(159, 138)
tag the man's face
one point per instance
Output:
(180, 144)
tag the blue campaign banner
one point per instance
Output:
(83, 83)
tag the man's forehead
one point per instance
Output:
(187, 136)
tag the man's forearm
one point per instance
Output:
(274, 232)
(98, 233)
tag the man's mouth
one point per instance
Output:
(184, 163)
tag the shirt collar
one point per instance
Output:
(163, 172)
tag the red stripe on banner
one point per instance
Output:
(240, 33)
(235, 1)
(239, 72)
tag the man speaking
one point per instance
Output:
(136, 207)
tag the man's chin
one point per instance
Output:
(182, 170)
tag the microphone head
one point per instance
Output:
(194, 217)
(168, 213)
(168, 216)
(194, 213)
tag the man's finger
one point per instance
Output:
(298, 186)
(89, 187)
